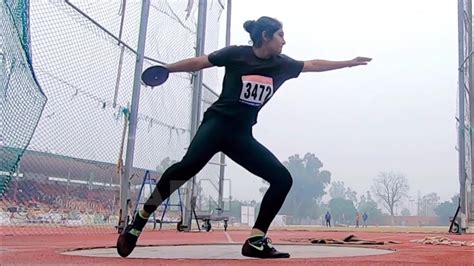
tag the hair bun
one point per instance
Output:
(249, 25)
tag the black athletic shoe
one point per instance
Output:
(262, 248)
(129, 236)
(127, 241)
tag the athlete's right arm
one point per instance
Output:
(190, 65)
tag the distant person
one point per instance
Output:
(327, 217)
(357, 219)
(365, 216)
(253, 75)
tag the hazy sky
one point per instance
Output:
(396, 114)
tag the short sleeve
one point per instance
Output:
(224, 56)
(291, 67)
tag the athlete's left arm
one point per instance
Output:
(318, 65)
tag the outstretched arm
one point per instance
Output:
(325, 65)
(190, 65)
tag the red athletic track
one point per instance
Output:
(41, 246)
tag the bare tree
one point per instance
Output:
(390, 188)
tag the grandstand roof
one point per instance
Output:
(53, 165)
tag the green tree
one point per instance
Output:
(350, 195)
(337, 190)
(309, 183)
(405, 212)
(447, 209)
(369, 206)
(342, 211)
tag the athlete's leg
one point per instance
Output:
(257, 159)
(204, 145)
(254, 157)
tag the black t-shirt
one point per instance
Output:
(249, 81)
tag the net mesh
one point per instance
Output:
(21, 98)
(83, 55)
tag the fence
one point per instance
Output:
(59, 164)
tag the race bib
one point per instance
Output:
(256, 89)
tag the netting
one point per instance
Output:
(84, 55)
(21, 98)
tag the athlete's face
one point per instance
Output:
(276, 43)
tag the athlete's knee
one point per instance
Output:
(283, 181)
(189, 166)
(286, 180)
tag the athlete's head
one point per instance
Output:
(266, 32)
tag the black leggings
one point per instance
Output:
(236, 141)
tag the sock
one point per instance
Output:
(143, 214)
(135, 232)
(139, 222)
(254, 239)
(256, 235)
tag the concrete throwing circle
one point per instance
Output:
(229, 251)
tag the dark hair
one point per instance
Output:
(263, 24)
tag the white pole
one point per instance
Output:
(132, 129)
(196, 105)
(222, 156)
